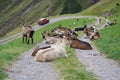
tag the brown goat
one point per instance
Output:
(27, 32)
(62, 31)
(78, 44)
(92, 33)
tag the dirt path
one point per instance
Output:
(96, 62)
(26, 68)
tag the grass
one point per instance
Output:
(71, 69)
(110, 41)
(101, 24)
(14, 10)
(11, 51)
(101, 7)
(11, 33)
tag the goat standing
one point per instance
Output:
(27, 32)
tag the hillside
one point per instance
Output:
(110, 36)
(110, 41)
(100, 8)
(15, 12)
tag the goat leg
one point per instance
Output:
(28, 41)
(32, 39)
(23, 40)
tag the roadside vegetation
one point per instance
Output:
(110, 38)
(11, 51)
(100, 8)
(109, 42)
(71, 69)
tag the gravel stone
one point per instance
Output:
(103, 68)
(26, 68)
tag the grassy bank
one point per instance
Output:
(101, 7)
(110, 38)
(11, 51)
(71, 69)
(109, 42)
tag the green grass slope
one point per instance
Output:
(110, 36)
(4, 4)
(100, 7)
(110, 41)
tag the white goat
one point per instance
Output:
(56, 50)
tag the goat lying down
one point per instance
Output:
(78, 44)
(52, 53)
(37, 48)
(49, 39)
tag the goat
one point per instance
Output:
(56, 50)
(92, 33)
(49, 39)
(27, 31)
(80, 29)
(37, 48)
(61, 31)
(78, 44)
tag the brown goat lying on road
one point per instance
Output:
(78, 44)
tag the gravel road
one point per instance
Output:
(26, 68)
(96, 62)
